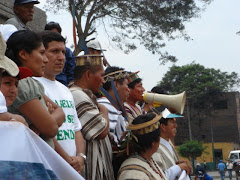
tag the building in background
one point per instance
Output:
(225, 118)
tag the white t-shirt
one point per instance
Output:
(3, 107)
(62, 96)
(229, 165)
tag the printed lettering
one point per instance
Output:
(70, 118)
(56, 102)
(62, 102)
(65, 104)
(60, 135)
(72, 134)
(71, 104)
(65, 134)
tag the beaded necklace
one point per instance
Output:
(155, 168)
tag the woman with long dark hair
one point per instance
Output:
(25, 48)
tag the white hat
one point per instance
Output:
(6, 63)
(198, 164)
(168, 115)
(7, 30)
(94, 44)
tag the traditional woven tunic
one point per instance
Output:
(166, 155)
(133, 111)
(98, 151)
(136, 167)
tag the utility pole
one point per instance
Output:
(189, 122)
(213, 153)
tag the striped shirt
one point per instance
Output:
(166, 157)
(136, 167)
(133, 111)
(98, 151)
(117, 123)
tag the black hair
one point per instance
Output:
(49, 36)
(159, 90)
(80, 70)
(110, 69)
(22, 40)
(145, 141)
(159, 109)
(53, 25)
(164, 121)
(133, 83)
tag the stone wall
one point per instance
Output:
(6, 12)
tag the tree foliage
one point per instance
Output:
(128, 22)
(203, 85)
(204, 88)
(192, 149)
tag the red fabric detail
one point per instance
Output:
(24, 73)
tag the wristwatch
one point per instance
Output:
(83, 155)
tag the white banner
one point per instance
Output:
(24, 155)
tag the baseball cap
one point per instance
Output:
(95, 44)
(7, 30)
(6, 63)
(167, 114)
(16, 2)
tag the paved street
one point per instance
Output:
(216, 175)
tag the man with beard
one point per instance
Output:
(23, 13)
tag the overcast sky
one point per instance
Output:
(215, 43)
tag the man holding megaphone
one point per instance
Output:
(136, 88)
(166, 156)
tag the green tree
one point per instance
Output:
(192, 150)
(199, 82)
(203, 87)
(128, 22)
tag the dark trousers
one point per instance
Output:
(230, 173)
(222, 174)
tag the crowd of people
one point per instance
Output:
(89, 114)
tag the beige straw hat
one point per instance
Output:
(6, 63)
